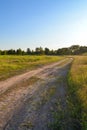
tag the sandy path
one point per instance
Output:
(23, 104)
(4, 85)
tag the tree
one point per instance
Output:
(0, 52)
(4, 52)
(28, 51)
(83, 49)
(11, 52)
(74, 49)
(19, 51)
(39, 51)
(47, 51)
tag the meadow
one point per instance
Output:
(14, 65)
(77, 81)
(77, 92)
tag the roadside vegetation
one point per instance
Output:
(76, 99)
(13, 65)
(77, 93)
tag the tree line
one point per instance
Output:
(73, 50)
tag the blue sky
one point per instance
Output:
(46, 23)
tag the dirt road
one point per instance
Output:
(30, 101)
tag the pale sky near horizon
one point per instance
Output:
(46, 23)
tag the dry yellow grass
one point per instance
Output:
(78, 90)
(13, 65)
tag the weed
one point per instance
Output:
(77, 92)
(58, 122)
(27, 125)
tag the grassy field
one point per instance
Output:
(77, 97)
(77, 81)
(13, 65)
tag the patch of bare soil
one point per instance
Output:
(32, 101)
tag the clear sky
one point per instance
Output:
(46, 23)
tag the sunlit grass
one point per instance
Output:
(78, 90)
(12, 65)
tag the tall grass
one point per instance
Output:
(12, 65)
(78, 92)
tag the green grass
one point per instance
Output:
(78, 92)
(13, 65)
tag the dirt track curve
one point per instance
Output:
(28, 101)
